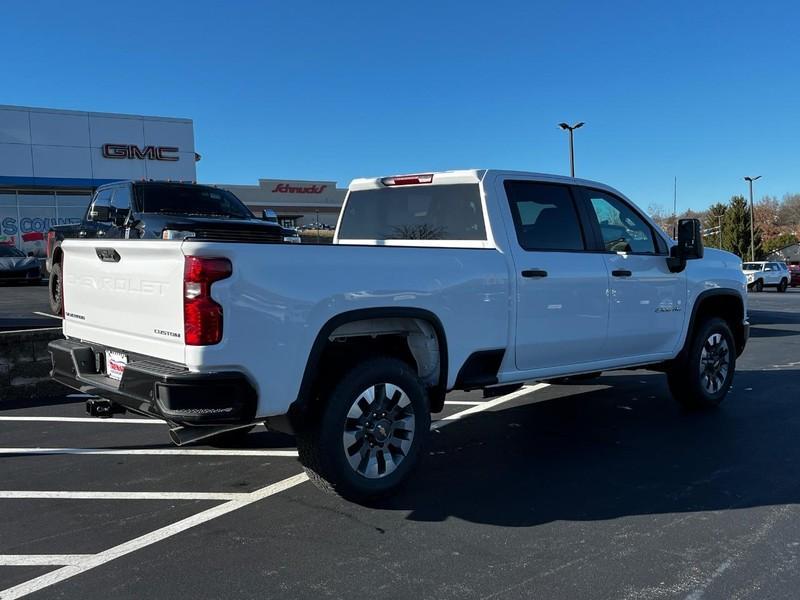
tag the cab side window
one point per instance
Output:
(621, 228)
(100, 207)
(545, 216)
(122, 198)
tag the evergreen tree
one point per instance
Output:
(736, 230)
(711, 221)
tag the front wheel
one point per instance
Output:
(782, 286)
(703, 377)
(56, 290)
(369, 431)
(759, 285)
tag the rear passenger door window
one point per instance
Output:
(621, 228)
(545, 216)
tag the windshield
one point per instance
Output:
(751, 267)
(191, 200)
(6, 251)
(439, 212)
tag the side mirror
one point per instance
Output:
(101, 213)
(119, 218)
(690, 238)
(689, 246)
(30, 254)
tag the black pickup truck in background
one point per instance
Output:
(161, 210)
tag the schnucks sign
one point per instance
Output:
(286, 188)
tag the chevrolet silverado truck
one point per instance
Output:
(160, 210)
(460, 280)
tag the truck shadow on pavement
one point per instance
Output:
(609, 452)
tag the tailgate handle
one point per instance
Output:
(107, 254)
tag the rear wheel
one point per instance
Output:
(783, 285)
(703, 377)
(56, 290)
(369, 431)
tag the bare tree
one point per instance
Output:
(789, 213)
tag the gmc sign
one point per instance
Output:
(146, 153)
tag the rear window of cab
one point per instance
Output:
(430, 212)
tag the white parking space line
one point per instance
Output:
(87, 420)
(463, 402)
(59, 495)
(41, 560)
(83, 563)
(523, 391)
(101, 558)
(149, 451)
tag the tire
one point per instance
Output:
(782, 286)
(703, 377)
(56, 290)
(362, 449)
(759, 285)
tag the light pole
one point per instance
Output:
(750, 180)
(719, 232)
(571, 129)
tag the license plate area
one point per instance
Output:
(115, 364)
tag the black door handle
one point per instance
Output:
(534, 273)
(621, 273)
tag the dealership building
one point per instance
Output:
(51, 161)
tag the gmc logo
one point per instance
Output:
(285, 188)
(133, 151)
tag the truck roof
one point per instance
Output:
(476, 176)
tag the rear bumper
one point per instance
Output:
(156, 388)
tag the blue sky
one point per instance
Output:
(704, 91)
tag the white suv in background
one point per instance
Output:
(766, 274)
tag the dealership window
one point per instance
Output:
(26, 216)
(287, 223)
(8, 218)
(37, 212)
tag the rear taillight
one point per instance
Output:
(202, 317)
(51, 238)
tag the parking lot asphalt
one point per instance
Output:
(24, 306)
(599, 490)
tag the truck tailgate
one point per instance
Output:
(126, 294)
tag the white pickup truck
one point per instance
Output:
(456, 280)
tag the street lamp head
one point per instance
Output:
(581, 124)
(563, 126)
(751, 179)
